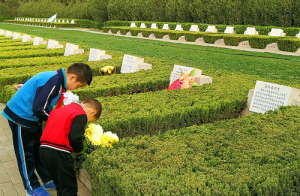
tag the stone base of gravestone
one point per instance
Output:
(110, 32)
(272, 47)
(152, 36)
(140, 35)
(201, 80)
(128, 34)
(244, 44)
(181, 39)
(200, 40)
(105, 57)
(85, 179)
(220, 42)
(79, 51)
(119, 33)
(144, 66)
(166, 37)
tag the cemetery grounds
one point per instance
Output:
(182, 142)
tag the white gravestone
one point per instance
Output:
(194, 28)
(298, 35)
(229, 30)
(58, 21)
(143, 26)
(54, 44)
(72, 49)
(140, 35)
(166, 37)
(250, 31)
(179, 68)
(26, 38)
(55, 20)
(67, 21)
(211, 29)
(72, 22)
(2, 32)
(132, 24)
(63, 21)
(152, 36)
(128, 34)
(269, 96)
(8, 34)
(244, 44)
(178, 28)
(132, 64)
(17, 36)
(181, 39)
(276, 32)
(153, 26)
(272, 47)
(166, 27)
(98, 55)
(39, 41)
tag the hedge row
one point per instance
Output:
(240, 29)
(255, 155)
(255, 41)
(15, 43)
(26, 47)
(2, 19)
(32, 53)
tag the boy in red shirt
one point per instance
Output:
(63, 135)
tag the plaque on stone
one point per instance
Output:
(276, 32)
(8, 34)
(153, 26)
(95, 54)
(194, 28)
(17, 35)
(179, 68)
(132, 24)
(211, 29)
(143, 26)
(52, 44)
(178, 28)
(250, 31)
(26, 38)
(269, 96)
(39, 41)
(166, 27)
(130, 63)
(229, 30)
(70, 49)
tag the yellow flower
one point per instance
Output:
(108, 138)
(94, 134)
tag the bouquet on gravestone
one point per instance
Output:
(95, 136)
(184, 81)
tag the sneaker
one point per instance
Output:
(38, 192)
(49, 185)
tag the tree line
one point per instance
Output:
(285, 13)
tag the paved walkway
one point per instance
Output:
(10, 180)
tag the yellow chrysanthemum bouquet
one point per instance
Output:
(95, 136)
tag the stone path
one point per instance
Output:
(10, 180)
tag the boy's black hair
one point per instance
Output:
(82, 71)
(95, 104)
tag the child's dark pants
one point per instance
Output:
(60, 166)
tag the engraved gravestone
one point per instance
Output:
(130, 63)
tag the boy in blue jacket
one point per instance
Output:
(25, 112)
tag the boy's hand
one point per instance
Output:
(17, 87)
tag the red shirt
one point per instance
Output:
(65, 129)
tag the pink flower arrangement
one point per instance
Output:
(184, 81)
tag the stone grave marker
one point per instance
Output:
(194, 28)
(143, 26)
(54, 44)
(177, 69)
(199, 40)
(72, 49)
(178, 28)
(8, 34)
(250, 31)
(58, 21)
(39, 41)
(72, 22)
(181, 39)
(276, 32)
(17, 36)
(229, 30)
(2, 32)
(152, 36)
(98, 55)
(140, 35)
(67, 21)
(55, 20)
(211, 29)
(128, 34)
(166, 37)
(26, 38)
(244, 44)
(153, 26)
(132, 24)
(268, 96)
(132, 64)
(166, 27)
(272, 47)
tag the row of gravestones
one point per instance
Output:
(44, 20)
(213, 29)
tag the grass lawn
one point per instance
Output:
(265, 65)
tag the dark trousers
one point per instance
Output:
(60, 165)
(26, 143)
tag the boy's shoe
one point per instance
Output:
(38, 192)
(49, 185)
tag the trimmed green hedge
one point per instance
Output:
(26, 47)
(32, 53)
(288, 44)
(255, 155)
(261, 41)
(2, 19)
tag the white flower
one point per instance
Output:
(69, 97)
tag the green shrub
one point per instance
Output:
(232, 157)
(88, 24)
(192, 36)
(212, 38)
(288, 44)
(234, 40)
(261, 41)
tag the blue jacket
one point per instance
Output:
(34, 101)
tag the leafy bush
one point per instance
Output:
(288, 44)
(261, 42)
(234, 40)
